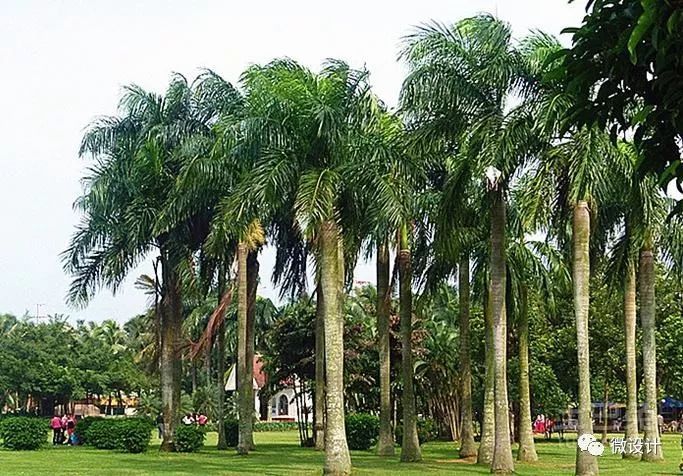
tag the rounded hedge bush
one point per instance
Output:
(82, 426)
(23, 433)
(188, 438)
(127, 434)
(134, 435)
(362, 430)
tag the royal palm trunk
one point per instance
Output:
(252, 286)
(647, 319)
(337, 457)
(319, 404)
(244, 406)
(410, 446)
(631, 430)
(502, 462)
(467, 446)
(488, 425)
(385, 446)
(220, 367)
(527, 448)
(170, 365)
(586, 464)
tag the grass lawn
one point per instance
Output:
(279, 454)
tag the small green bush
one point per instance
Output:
(101, 434)
(82, 427)
(426, 431)
(127, 434)
(362, 430)
(231, 432)
(23, 433)
(188, 438)
(134, 435)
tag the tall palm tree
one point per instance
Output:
(247, 249)
(127, 191)
(580, 172)
(410, 446)
(306, 124)
(385, 445)
(457, 93)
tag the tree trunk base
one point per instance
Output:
(386, 449)
(167, 446)
(527, 455)
(468, 450)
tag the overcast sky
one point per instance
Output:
(63, 63)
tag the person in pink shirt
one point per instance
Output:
(202, 419)
(56, 425)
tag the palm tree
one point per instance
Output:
(305, 124)
(587, 166)
(385, 445)
(457, 91)
(127, 192)
(410, 446)
(246, 294)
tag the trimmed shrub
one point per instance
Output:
(188, 438)
(231, 432)
(426, 431)
(82, 426)
(101, 434)
(23, 433)
(127, 434)
(276, 426)
(134, 435)
(362, 430)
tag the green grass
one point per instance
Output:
(279, 454)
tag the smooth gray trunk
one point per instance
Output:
(337, 457)
(410, 445)
(222, 443)
(170, 364)
(468, 448)
(244, 406)
(319, 404)
(252, 286)
(502, 462)
(586, 464)
(527, 448)
(385, 446)
(647, 320)
(488, 426)
(631, 430)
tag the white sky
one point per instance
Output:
(63, 62)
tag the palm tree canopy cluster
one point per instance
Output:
(496, 218)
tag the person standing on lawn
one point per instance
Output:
(56, 425)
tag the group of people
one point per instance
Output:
(547, 426)
(195, 419)
(63, 430)
(189, 419)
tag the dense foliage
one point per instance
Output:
(23, 433)
(189, 438)
(53, 362)
(362, 430)
(626, 70)
(131, 435)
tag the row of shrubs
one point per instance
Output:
(362, 431)
(133, 434)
